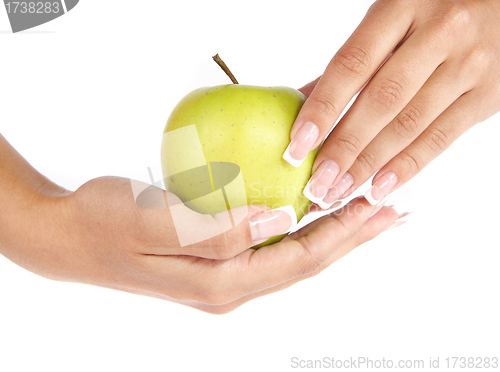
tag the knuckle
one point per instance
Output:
(347, 144)
(352, 60)
(224, 249)
(406, 124)
(310, 263)
(455, 19)
(226, 245)
(388, 5)
(438, 139)
(367, 162)
(411, 163)
(479, 57)
(324, 104)
(386, 94)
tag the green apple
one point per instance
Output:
(234, 136)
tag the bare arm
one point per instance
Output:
(31, 214)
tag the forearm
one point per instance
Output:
(29, 210)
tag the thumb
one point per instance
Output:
(221, 236)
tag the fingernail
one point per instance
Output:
(381, 188)
(278, 221)
(321, 181)
(379, 207)
(301, 144)
(337, 191)
(403, 218)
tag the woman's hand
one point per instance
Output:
(107, 237)
(427, 70)
(108, 234)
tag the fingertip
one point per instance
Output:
(288, 158)
(377, 224)
(387, 212)
(272, 223)
(369, 198)
(290, 211)
(401, 220)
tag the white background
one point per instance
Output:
(88, 94)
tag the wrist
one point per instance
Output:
(33, 233)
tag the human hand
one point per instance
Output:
(427, 70)
(106, 237)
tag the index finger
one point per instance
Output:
(385, 25)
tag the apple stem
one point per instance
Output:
(223, 66)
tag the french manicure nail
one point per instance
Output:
(381, 188)
(301, 144)
(321, 181)
(379, 207)
(337, 191)
(267, 224)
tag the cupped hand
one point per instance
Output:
(426, 71)
(126, 235)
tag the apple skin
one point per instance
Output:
(250, 127)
